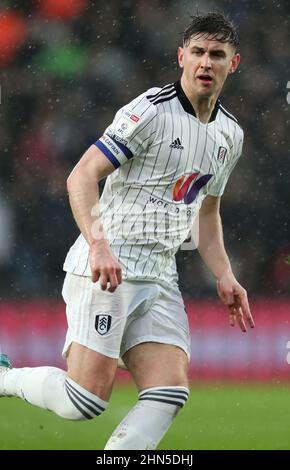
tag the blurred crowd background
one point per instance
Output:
(68, 65)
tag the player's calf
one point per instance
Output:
(50, 388)
(146, 424)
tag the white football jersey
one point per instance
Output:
(167, 162)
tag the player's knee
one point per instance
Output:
(79, 403)
(176, 397)
(68, 410)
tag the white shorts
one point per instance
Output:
(112, 323)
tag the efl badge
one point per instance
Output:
(221, 155)
(126, 124)
(103, 324)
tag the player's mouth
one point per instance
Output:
(205, 78)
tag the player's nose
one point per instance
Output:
(205, 61)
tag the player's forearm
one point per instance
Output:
(84, 201)
(211, 244)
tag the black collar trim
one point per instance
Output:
(186, 104)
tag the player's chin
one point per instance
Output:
(205, 88)
(205, 91)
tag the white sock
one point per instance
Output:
(146, 424)
(51, 389)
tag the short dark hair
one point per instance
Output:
(215, 24)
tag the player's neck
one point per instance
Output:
(202, 105)
(203, 108)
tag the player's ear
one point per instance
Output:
(235, 63)
(180, 57)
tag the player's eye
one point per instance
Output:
(219, 54)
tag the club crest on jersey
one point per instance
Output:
(221, 155)
(103, 323)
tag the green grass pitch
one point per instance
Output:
(215, 417)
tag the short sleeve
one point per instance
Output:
(217, 189)
(130, 132)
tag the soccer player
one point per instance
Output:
(167, 157)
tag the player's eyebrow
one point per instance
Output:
(219, 52)
(197, 49)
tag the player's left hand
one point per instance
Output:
(235, 297)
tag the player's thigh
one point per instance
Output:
(96, 321)
(155, 364)
(91, 370)
(156, 345)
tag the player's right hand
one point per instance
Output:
(104, 266)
